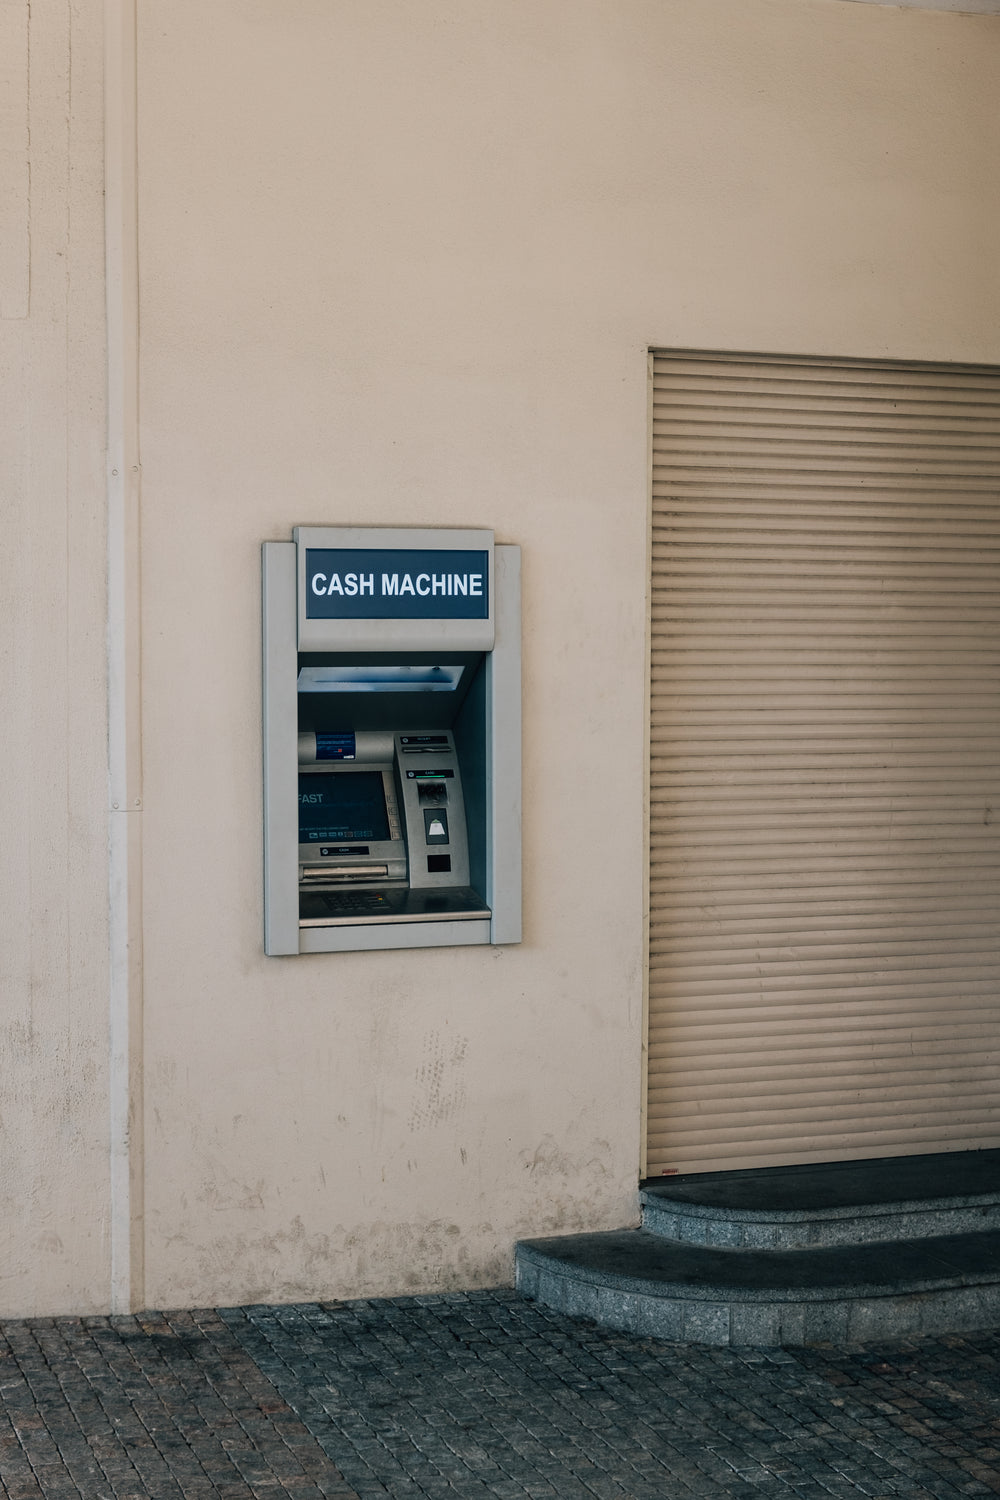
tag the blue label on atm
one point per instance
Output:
(403, 584)
(335, 746)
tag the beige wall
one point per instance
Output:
(400, 264)
(54, 1199)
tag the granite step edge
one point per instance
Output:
(718, 1322)
(639, 1263)
(739, 1228)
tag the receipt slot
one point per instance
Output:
(392, 740)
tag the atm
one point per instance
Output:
(392, 765)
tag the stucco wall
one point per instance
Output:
(53, 854)
(400, 264)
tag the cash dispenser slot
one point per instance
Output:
(319, 875)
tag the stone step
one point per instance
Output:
(646, 1284)
(831, 1203)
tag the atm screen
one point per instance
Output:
(342, 807)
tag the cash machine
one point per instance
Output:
(392, 700)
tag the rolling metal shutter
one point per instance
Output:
(824, 963)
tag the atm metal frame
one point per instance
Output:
(487, 724)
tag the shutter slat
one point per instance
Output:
(824, 958)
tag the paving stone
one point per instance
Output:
(480, 1394)
(108, 1408)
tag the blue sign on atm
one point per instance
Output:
(399, 584)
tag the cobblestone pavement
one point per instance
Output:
(479, 1394)
(164, 1406)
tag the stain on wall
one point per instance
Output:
(440, 1081)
